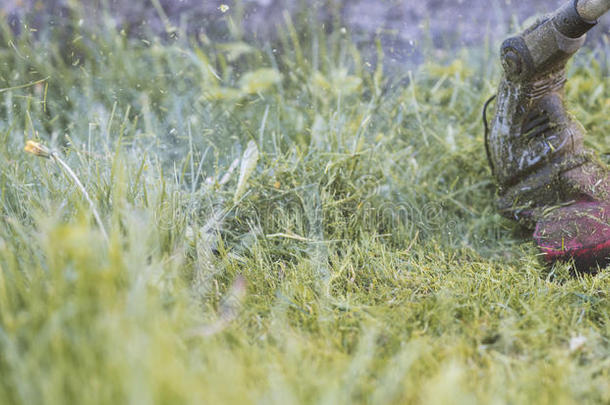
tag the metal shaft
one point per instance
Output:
(592, 9)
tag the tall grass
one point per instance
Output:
(352, 255)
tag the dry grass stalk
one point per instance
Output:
(40, 150)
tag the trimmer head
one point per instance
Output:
(546, 179)
(580, 231)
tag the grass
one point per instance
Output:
(285, 225)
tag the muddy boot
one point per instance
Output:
(546, 179)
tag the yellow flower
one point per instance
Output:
(223, 8)
(37, 149)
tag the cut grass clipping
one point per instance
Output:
(284, 225)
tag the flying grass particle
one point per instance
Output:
(248, 164)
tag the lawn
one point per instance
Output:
(287, 223)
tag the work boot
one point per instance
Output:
(546, 179)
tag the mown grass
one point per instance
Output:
(360, 259)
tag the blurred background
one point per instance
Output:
(403, 26)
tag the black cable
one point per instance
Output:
(486, 124)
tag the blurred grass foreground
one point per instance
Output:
(286, 223)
